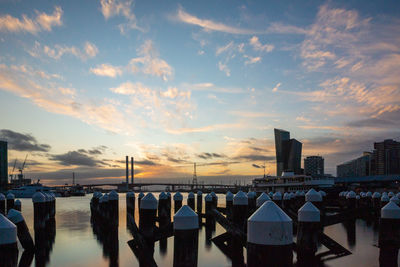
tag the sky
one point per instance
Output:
(84, 83)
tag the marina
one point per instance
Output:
(79, 240)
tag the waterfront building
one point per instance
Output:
(387, 157)
(288, 153)
(3, 164)
(358, 167)
(314, 165)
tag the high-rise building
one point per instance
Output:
(358, 167)
(387, 157)
(314, 165)
(3, 164)
(288, 153)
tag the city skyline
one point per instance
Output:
(175, 83)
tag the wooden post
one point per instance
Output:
(24, 236)
(307, 234)
(2, 204)
(178, 198)
(269, 237)
(186, 235)
(240, 210)
(389, 235)
(190, 200)
(10, 201)
(261, 199)
(8, 242)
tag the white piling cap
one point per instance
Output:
(302, 193)
(385, 198)
(191, 195)
(208, 198)
(17, 202)
(99, 195)
(130, 194)
(38, 197)
(15, 216)
(240, 199)
(186, 219)
(358, 197)
(178, 196)
(8, 231)
(398, 195)
(395, 199)
(199, 193)
(270, 225)
(292, 195)
(251, 194)
(168, 194)
(351, 194)
(2, 197)
(105, 197)
(298, 194)
(270, 194)
(313, 196)
(277, 196)
(309, 213)
(141, 194)
(10, 196)
(368, 194)
(286, 196)
(113, 195)
(323, 194)
(213, 194)
(229, 196)
(261, 199)
(149, 202)
(376, 195)
(162, 195)
(363, 194)
(390, 194)
(390, 211)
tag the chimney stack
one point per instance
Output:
(132, 171)
(127, 170)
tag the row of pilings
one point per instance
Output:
(263, 223)
(13, 228)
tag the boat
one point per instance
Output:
(27, 191)
(290, 182)
(77, 190)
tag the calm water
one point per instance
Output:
(75, 243)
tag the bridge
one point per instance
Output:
(183, 187)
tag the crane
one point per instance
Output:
(20, 176)
(12, 173)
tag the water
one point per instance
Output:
(75, 243)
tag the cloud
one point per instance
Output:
(157, 107)
(210, 87)
(106, 70)
(206, 155)
(257, 166)
(89, 50)
(209, 128)
(257, 46)
(276, 88)
(114, 8)
(77, 158)
(53, 98)
(22, 142)
(255, 157)
(149, 62)
(251, 60)
(224, 68)
(210, 25)
(372, 122)
(42, 22)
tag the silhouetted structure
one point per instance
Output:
(358, 167)
(288, 153)
(3, 165)
(387, 157)
(314, 165)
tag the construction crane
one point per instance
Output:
(12, 173)
(20, 176)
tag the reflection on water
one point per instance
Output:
(73, 241)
